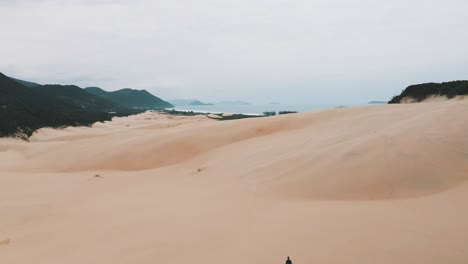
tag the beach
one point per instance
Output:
(258, 109)
(374, 184)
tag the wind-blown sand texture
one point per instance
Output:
(379, 184)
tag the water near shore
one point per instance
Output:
(256, 109)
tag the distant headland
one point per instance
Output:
(27, 106)
(425, 91)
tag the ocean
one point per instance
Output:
(257, 109)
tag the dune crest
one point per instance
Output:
(139, 189)
(352, 153)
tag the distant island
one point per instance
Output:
(186, 102)
(27, 106)
(420, 92)
(196, 102)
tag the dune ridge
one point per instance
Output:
(313, 152)
(347, 185)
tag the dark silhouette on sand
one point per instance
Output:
(288, 261)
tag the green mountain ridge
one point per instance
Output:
(136, 99)
(24, 109)
(25, 83)
(79, 97)
(27, 106)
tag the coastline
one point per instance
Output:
(259, 109)
(142, 188)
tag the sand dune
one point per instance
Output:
(379, 184)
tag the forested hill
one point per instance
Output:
(419, 92)
(25, 109)
(131, 98)
(80, 97)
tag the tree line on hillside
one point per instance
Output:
(421, 91)
(26, 106)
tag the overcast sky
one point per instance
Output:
(291, 51)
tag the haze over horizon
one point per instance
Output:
(293, 52)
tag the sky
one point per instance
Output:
(260, 51)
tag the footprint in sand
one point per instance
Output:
(4, 242)
(200, 170)
(96, 176)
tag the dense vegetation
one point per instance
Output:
(273, 113)
(269, 113)
(221, 117)
(236, 116)
(421, 91)
(182, 113)
(136, 99)
(79, 97)
(26, 83)
(25, 109)
(286, 112)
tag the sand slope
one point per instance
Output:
(379, 184)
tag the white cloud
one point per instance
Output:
(304, 51)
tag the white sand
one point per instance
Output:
(379, 184)
(431, 99)
(214, 116)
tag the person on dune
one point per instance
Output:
(288, 261)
